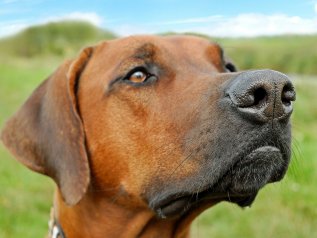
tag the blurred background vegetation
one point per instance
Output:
(286, 209)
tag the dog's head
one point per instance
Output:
(164, 123)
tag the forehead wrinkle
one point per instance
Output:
(145, 52)
(129, 63)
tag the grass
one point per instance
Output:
(288, 53)
(296, 54)
(25, 197)
(286, 209)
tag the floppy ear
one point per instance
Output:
(47, 134)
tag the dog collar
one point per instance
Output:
(54, 228)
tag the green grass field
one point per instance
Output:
(287, 209)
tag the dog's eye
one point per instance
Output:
(138, 77)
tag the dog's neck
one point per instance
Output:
(104, 218)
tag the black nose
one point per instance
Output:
(262, 95)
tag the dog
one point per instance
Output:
(142, 134)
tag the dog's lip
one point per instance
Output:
(177, 206)
(180, 203)
(172, 206)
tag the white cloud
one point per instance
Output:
(91, 17)
(189, 20)
(127, 30)
(259, 24)
(11, 27)
(243, 25)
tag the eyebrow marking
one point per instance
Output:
(145, 52)
(141, 56)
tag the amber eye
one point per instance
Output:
(138, 77)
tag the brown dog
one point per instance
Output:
(142, 134)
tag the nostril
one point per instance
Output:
(252, 98)
(260, 96)
(288, 94)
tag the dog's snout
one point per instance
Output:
(262, 95)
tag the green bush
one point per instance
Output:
(60, 39)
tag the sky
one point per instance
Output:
(225, 18)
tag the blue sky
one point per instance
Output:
(217, 18)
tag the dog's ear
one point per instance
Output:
(230, 66)
(47, 134)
